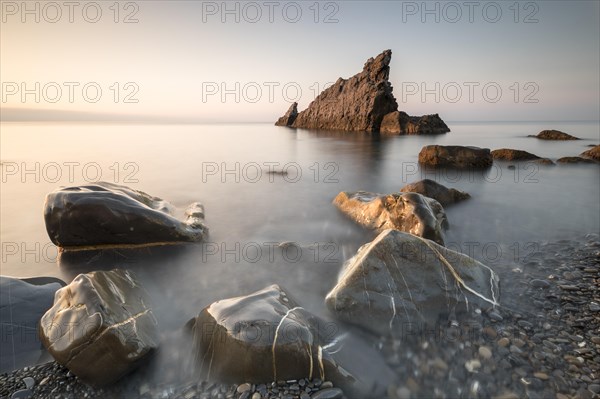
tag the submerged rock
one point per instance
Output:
(554, 135)
(267, 336)
(100, 326)
(454, 156)
(401, 123)
(409, 212)
(576, 160)
(400, 281)
(289, 117)
(23, 302)
(106, 214)
(593, 153)
(355, 104)
(438, 192)
(508, 154)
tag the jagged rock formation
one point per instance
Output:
(554, 135)
(454, 156)
(267, 336)
(401, 123)
(438, 192)
(401, 281)
(361, 103)
(106, 214)
(409, 212)
(289, 117)
(593, 153)
(100, 326)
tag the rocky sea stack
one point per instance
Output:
(362, 103)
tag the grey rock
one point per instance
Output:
(430, 188)
(328, 393)
(455, 157)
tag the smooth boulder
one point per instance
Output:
(23, 302)
(400, 282)
(592, 153)
(455, 156)
(554, 135)
(401, 123)
(432, 189)
(266, 336)
(106, 214)
(100, 326)
(409, 212)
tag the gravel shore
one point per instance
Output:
(543, 342)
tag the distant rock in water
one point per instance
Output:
(454, 156)
(554, 135)
(289, 117)
(593, 153)
(401, 123)
(266, 336)
(106, 214)
(400, 281)
(438, 192)
(573, 160)
(100, 326)
(409, 212)
(508, 154)
(361, 103)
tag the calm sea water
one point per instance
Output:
(247, 210)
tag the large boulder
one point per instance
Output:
(266, 336)
(355, 104)
(593, 153)
(409, 212)
(23, 302)
(401, 123)
(400, 281)
(454, 156)
(100, 326)
(106, 214)
(432, 189)
(289, 117)
(554, 135)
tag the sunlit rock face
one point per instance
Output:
(105, 214)
(454, 156)
(266, 336)
(409, 212)
(440, 193)
(401, 123)
(593, 153)
(23, 302)
(355, 104)
(100, 327)
(400, 282)
(555, 135)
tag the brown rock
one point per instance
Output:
(455, 157)
(438, 192)
(355, 104)
(507, 154)
(401, 123)
(100, 326)
(409, 212)
(575, 160)
(554, 135)
(289, 117)
(593, 153)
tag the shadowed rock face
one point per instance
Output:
(454, 156)
(438, 192)
(105, 214)
(355, 104)
(554, 135)
(409, 212)
(289, 117)
(401, 281)
(23, 302)
(266, 336)
(593, 153)
(100, 326)
(401, 123)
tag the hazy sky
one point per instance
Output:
(502, 60)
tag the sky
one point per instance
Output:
(241, 61)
